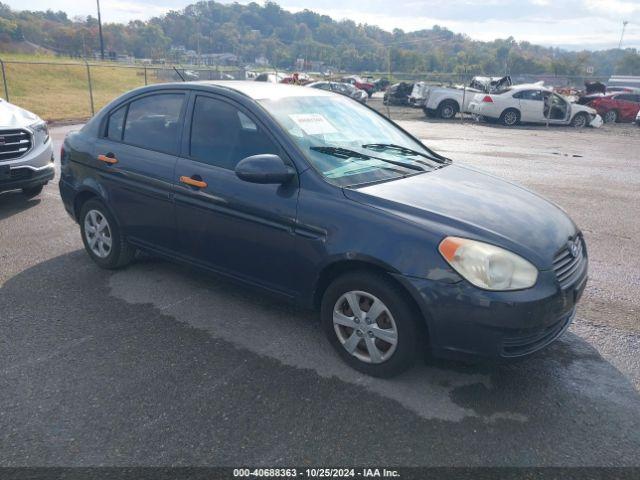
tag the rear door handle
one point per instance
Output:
(109, 158)
(194, 182)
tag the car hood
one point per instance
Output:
(462, 201)
(12, 116)
(583, 108)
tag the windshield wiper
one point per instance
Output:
(404, 150)
(346, 153)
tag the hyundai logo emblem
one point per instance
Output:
(574, 247)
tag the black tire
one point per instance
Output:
(447, 109)
(120, 253)
(406, 321)
(428, 113)
(610, 117)
(510, 117)
(32, 191)
(580, 120)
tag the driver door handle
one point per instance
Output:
(194, 182)
(109, 158)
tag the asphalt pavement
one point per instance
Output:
(158, 364)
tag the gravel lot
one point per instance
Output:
(161, 365)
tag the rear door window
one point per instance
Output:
(153, 122)
(529, 95)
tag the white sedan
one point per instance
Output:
(532, 104)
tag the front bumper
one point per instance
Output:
(14, 178)
(466, 322)
(32, 169)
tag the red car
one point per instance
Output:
(617, 107)
(360, 83)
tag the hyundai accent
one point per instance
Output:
(320, 199)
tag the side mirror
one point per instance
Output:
(265, 168)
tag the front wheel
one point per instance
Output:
(611, 116)
(580, 121)
(102, 237)
(370, 323)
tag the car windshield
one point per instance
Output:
(348, 143)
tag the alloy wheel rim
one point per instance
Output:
(365, 327)
(610, 117)
(510, 118)
(447, 112)
(580, 122)
(97, 232)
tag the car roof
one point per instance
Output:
(264, 90)
(530, 86)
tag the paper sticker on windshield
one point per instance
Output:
(313, 123)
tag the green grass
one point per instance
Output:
(59, 90)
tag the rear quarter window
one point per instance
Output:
(115, 125)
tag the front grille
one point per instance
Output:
(570, 265)
(528, 342)
(14, 143)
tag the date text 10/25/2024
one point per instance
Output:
(315, 473)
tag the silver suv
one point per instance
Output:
(26, 154)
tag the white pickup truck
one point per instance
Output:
(446, 102)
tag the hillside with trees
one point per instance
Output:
(251, 31)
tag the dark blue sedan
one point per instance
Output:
(320, 199)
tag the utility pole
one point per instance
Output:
(624, 25)
(100, 32)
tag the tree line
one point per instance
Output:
(251, 31)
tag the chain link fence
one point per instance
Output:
(69, 91)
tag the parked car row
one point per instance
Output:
(496, 98)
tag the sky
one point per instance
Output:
(569, 24)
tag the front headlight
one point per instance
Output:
(41, 132)
(487, 266)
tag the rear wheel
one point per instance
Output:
(32, 191)
(611, 116)
(510, 117)
(102, 236)
(369, 322)
(447, 109)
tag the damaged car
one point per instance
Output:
(617, 107)
(361, 83)
(447, 102)
(398, 94)
(345, 89)
(418, 94)
(532, 103)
